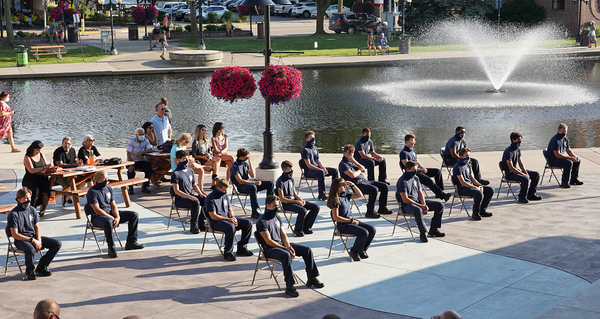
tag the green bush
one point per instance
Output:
(210, 27)
(180, 29)
(212, 17)
(188, 28)
(243, 18)
(161, 16)
(222, 27)
(238, 20)
(228, 16)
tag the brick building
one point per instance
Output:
(567, 12)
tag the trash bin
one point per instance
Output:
(72, 31)
(133, 31)
(22, 55)
(404, 46)
(261, 30)
(584, 38)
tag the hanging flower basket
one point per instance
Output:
(280, 83)
(151, 13)
(138, 14)
(232, 83)
(57, 14)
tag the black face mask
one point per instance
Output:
(23, 206)
(561, 135)
(515, 145)
(270, 213)
(408, 175)
(101, 185)
(240, 161)
(182, 165)
(310, 143)
(218, 192)
(287, 175)
(460, 136)
(365, 138)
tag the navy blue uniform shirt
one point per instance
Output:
(286, 186)
(217, 202)
(456, 144)
(557, 144)
(345, 207)
(23, 220)
(512, 155)
(184, 179)
(464, 170)
(272, 226)
(409, 186)
(311, 154)
(240, 168)
(101, 196)
(365, 147)
(345, 165)
(408, 154)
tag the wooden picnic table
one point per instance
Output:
(79, 177)
(47, 50)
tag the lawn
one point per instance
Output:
(328, 45)
(91, 54)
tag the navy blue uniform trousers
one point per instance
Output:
(129, 217)
(370, 188)
(370, 164)
(435, 206)
(244, 225)
(303, 220)
(253, 190)
(570, 168)
(320, 176)
(481, 199)
(194, 207)
(51, 244)
(524, 181)
(364, 234)
(286, 261)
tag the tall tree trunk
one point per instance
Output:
(9, 28)
(193, 19)
(322, 6)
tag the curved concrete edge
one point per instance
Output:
(196, 57)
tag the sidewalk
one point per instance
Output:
(520, 263)
(135, 58)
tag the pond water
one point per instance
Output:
(428, 99)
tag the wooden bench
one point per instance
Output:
(48, 50)
(5, 209)
(113, 184)
(365, 48)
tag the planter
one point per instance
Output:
(280, 83)
(211, 34)
(231, 83)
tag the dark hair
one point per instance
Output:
(181, 154)
(271, 199)
(23, 192)
(349, 147)
(409, 165)
(286, 164)
(459, 129)
(217, 127)
(157, 105)
(146, 126)
(3, 94)
(242, 152)
(36, 145)
(221, 182)
(463, 151)
(334, 196)
(407, 137)
(366, 130)
(515, 135)
(308, 133)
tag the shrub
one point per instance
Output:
(212, 17)
(69, 14)
(180, 29)
(222, 27)
(363, 7)
(228, 16)
(210, 27)
(188, 28)
(238, 20)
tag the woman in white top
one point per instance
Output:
(202, 152)
(220, 144)
(156, 31)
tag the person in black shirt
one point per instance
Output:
(511, 158)
(65, 157)
(560, 154)
(242, 175)
(276, 244)
(462, 177)
(455, 144)
(88, 150)
(365, 154)
(312, 166)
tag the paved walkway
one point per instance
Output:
(524, 261)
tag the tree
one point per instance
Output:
(522, 11)
(322, 6)
(193, 20)
(422, 13)
(8, 18)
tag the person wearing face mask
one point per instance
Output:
(312, 166)
(276, 245)
(183, 182)
(365, 154)
(65, 157)
(242, 175)
(510, 159)
(412, 201)
(102, 207)
(22, 222)
(423, 174)
(462, 177)
(560, 154)
(221, 218)
(456, 143)
(136, 148)
(292, 202)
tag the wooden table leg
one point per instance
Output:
(77, 207)
(125, 196)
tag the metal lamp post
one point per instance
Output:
(201, 46)
(404, 13)
(579, 20)
(113, 50)
(268, 161)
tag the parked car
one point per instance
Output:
(286, 10)
(166, 6)
(219, 10)
(304, 9)
(232, 6)
(352, 22)
(334, 9)
(180, 13)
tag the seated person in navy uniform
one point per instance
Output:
(312, 166)
(221, 218)
(412, 201)
(511, 159)
(365, 154)
(183, 182)
(64, 156)
(462, 177)
(242, 175)
(292, 202)
(22, 222)
(423, 174)
(102, 207)
(352, 171)
(136, 148)
(341, 212)
(276, 244)
(455, 144)
(560, 154)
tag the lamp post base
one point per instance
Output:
(270, 174)
(113, 52)
(201, 46)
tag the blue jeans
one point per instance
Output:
(253, 190)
